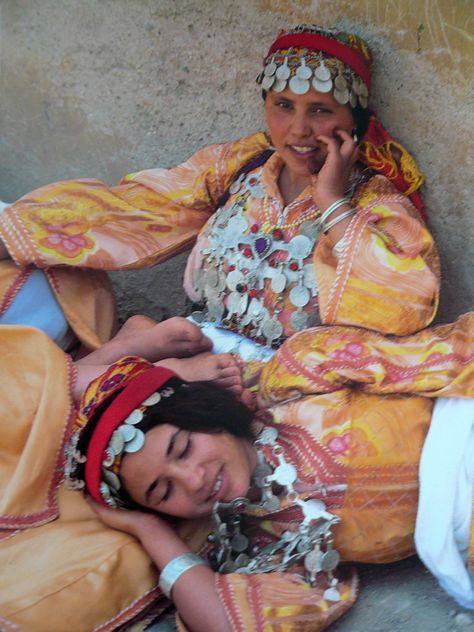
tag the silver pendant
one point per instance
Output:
(278, 283)
(211, 277)
(267, 82)
(300, 247)
(268, 436)
(233, 302)
(285, 474)
(322, 86)
(329, 560)
(282, 73)
(312, 509)
(322, 72)
(303, 71)
(272, 330)
(239, 542)
(299, 86)
(233, 278)
(235, 186)
(215, 310)
(341, 96)
(299, 296)
(279, 86)
(312, 561)
(340, 83)
(299, 320)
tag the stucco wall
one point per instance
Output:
(99, 88)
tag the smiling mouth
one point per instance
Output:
(217, 486)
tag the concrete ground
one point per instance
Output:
(403, 597)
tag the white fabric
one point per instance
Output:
(226, 341)
(443, 522)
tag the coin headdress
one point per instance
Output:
(327, 60)
(107, 425)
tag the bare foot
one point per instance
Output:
(142, 336)
(221, 368)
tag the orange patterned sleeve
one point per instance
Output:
(387, 277)
(149, 217)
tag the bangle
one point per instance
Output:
(336, 220)
(333, 207)
(177, 567)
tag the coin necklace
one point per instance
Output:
(311, 543)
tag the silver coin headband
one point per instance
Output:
(300, 69)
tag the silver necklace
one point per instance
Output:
(311, 542)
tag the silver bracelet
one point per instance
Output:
(175, 568)
(336, 220)
(333, 207)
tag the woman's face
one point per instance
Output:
(294, 123)
(183, 473)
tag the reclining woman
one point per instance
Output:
(330, 470)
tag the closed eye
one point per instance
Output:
(187, 448)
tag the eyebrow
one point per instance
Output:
(169, 450)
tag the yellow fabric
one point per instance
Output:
(386, 279)
(68, 571)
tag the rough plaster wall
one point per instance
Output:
(99, 88)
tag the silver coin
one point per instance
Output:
(242, 307)
(285, 474)
(279, 86)
(300, 247)
(303, 71)
(299, 296)
(257, 192)
(233, 302)
(255, 308)
(111, 479)
(268, 435)
(239, 543)
(332, 594)
(282, 73)
(278, 283)
(233, 279)
(134, 418)
(272, 329)
(136, 443)
(198, 316)
(299, 320)
(310, 229)
(353, 99)
(153, 399)
(363, 92)
(226, 567)
(341, 96)
(322, 86)
(238, 224)
(267, 82)
(270, 68)
(363, 101)
(127, 431)
(116, 443)
(312, 562)
(313, 509)
(241, 560)
(340, 82)
(221, 282)
(322, 72)
(329, 560)
(109, 458)
(299, 86)
(211, 277)
(215, 310)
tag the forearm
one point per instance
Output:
(194, 593)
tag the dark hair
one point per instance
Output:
(361, 117)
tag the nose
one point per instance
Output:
(191, 477)
(300, 125)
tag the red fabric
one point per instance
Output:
(136, 391)
(348, 55)
(377, 142)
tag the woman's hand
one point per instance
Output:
(136, 523)
(332, 181)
